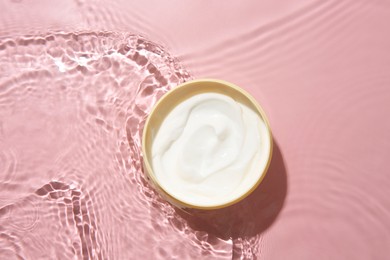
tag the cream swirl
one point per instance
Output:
(208, 149)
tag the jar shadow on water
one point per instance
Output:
(251, 216)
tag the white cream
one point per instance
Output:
(210, 150)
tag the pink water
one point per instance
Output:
(77, 79)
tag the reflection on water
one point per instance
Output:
(75, 91)
(71, 185)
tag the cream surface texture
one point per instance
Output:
(210, 150)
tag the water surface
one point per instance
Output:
(78, 78)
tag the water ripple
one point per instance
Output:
(81, 91)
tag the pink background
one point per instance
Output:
(321, 71)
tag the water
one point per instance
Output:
(77, 79)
